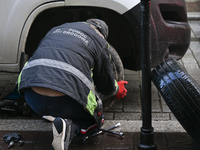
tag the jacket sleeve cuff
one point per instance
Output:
(116, 89)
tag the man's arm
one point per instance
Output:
(104, 79)
(103, 75)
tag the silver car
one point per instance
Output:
(25, 22)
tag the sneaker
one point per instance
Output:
(63, 133)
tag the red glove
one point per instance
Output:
(122, 90)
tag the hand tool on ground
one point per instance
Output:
(11, 138)
(99, 132)
(11, 144)
(92, 135)
(121, 134)
(115, 126)
(20, 143)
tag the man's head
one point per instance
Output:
(100, 25)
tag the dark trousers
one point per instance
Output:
(60, 106)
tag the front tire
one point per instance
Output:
(118, 68)
(118, 72)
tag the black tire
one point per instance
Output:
(118, 71)
(118, 68)
(181, 93)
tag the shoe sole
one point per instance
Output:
(58, 138)
(68, 141)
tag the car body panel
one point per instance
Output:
(117, 5)
(24, 23)
(169, 38)
(14, 22)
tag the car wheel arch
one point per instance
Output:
(26, 37)
(29, 22)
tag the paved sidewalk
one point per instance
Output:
(168, 133)
(41, 140)
(193, 6)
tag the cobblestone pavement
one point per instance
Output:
(169, 135)
(129, 109)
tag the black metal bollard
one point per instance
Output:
(146, 134)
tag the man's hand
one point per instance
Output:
(122, 90)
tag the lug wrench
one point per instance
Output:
(121, 134)
(112, 127)
(105, 130)
(92, 135)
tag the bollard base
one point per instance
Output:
(145, 147)
(146, 140)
